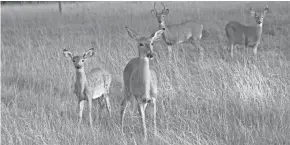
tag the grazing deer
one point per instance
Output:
(92, 85)
(238, 33)
(139, 80)
(186, 32)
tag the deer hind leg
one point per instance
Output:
(255, 49)
(90, 112)
(196, 43)
(101, 104)
(107, 83)
(108, 104)
(170, 61)
(124, 105)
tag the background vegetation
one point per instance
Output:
(217, 101)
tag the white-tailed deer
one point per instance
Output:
(186, 32)
(92, 85)
(140, 82)
(238, 33)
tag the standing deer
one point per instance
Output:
(186, 32)
(92, 85)
(238, 33)
(139, 80)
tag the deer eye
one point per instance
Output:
(83, 60)
(74, 61)
(141, 44)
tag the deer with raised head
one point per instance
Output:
(140, 81)
(89, 86)
(238, 33)
(186, 32)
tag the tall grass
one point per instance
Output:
(217, 101)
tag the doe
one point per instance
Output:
(140, 81)
(92, 85)
(238, 33)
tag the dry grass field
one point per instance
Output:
(219, 101)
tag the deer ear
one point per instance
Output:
(166, 12)
(266, 10)
(67, 54)
(88, 53)
(133, 34)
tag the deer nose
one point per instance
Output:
(160, 21)
(150, 55)
(77, 66)
(259, 22)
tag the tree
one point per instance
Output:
(60, 7)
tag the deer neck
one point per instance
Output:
(259, 28)
(166, 34)
(162, 25)
(80, 78)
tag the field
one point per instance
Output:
(217, 101)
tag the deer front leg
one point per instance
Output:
(255, 49)
(124, 105)
(232, 50)
(169, 52)
(90, 112)
(154, 115)
(141, 110)
(81, 105)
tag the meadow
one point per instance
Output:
(218, 101)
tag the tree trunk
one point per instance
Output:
(60, 7)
